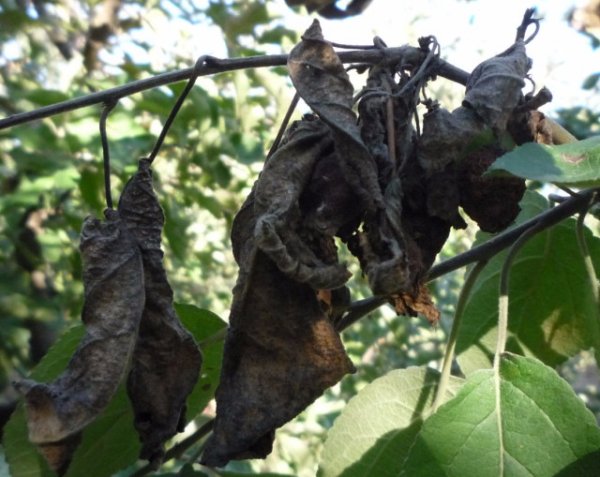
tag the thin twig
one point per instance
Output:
(108, 107)
(372, 56)
(284, 125)
(525, 23)
(202, 61)
(503, 293)
(451, 345)
(485, 251)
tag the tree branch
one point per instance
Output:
(485, 251)
(403, 54)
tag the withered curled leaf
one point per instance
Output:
(166, 360)
(281, 351)
(494, 87)
(320, 79)
(279, 221)
(57, 412)
(492, 202)
(456, 148)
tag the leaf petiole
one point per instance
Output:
(450, 347)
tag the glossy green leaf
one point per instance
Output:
(534, 426)
(552, 310)
(373, 434)
(576, 164)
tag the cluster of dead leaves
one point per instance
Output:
(389, 192)
(131, 325)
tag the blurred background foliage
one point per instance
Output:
(51, 174)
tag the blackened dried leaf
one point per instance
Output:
(277, 196)
(320, 79)
(281, 352)
(494, 87)
(58, 412)
(328, 203)
(446, 136)
(166, 361)
(492, 202)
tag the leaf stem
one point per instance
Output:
(203, 60)
(284, 125)
(503, 294)
(585, 252)
(450, 347)
(108, 107)
(179, 448)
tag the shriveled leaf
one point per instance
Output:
(165, 359)
(281, 353)
(277, 195)
(57, 412)
(527, 422)
(376, 429)
(110, 443)
(576, 164)
(321, 80)
(552, 314)
(494, 86)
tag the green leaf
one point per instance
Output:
(552, 310)
(22, 456)
(175, 228)
(576, 164)
(44, 97)
(208, 330)
(373, 434)
(591, 81)
(536, 426)
(110, 443)
(91, 187)
(12, 21)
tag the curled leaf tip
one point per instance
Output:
(314, 32)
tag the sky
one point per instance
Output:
(472, 31)
(468, 31)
